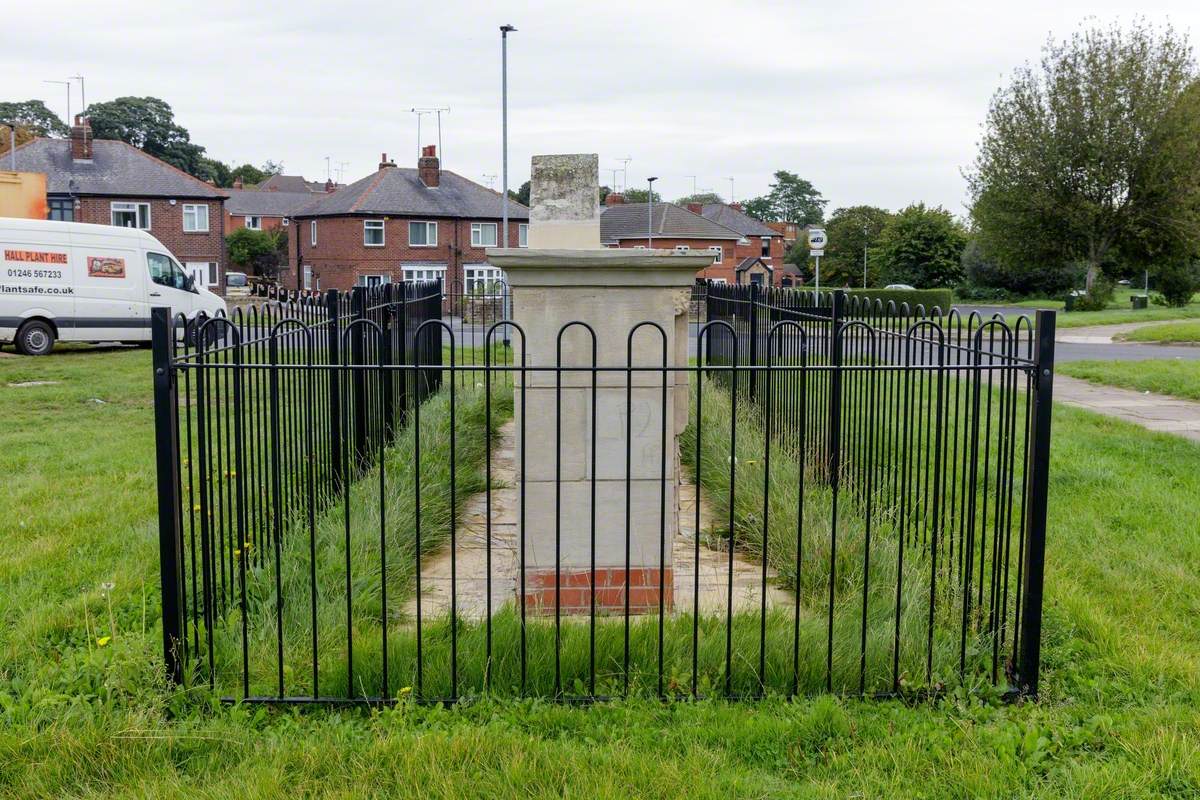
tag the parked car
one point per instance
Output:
(236, 284)
(901, 286)
(87, 283)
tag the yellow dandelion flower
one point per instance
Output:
(103, 640)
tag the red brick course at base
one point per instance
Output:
(575, 590)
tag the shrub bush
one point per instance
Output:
(941, 298)
(1177, 283)
(1097, 298)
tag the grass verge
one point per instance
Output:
(1175, 377)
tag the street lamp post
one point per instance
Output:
(504, 31)
(650, 214)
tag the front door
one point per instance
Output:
(202, 272)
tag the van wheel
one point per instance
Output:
(36, 338)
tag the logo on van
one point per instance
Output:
(35, 257)
(106, 267)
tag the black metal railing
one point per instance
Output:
(347, 502)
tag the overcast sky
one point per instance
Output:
(875, 103)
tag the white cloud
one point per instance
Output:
(874, 102)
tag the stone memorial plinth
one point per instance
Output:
(612, 290)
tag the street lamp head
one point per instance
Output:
(506, 29)
(651, 180)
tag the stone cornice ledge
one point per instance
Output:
(609, 258)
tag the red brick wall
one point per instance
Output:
(166, 225)
(235, 222)
(724, 270)
(340, 256)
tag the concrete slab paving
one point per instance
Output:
(1155, 412)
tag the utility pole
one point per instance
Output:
(82, 93)
(505, 30)
(650, 215)
(614, 186)
(625, 171)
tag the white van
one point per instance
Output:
(87, 283)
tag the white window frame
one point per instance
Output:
(125, 207)
(254, 226)
(477, 229)
(195, 210)
(492, 279)
(523, 234)
(718, 252)
(766, 247)
(381, 278)
(682, 248)
(312, 233)
(308, 276)
(374, 225)
(425, 272)
(430, 225)
(285, 222)
(720, 281)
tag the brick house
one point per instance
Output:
(108, 182)
(263, 211)
(400, 223)
(759, 241)
(625, 225)
(293, 183)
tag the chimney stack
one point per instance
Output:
(384, 163)
(238, 183)
(695, 208)
(429, 169)
(329, 185)
(81, 139)
(614, 199)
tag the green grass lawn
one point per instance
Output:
(84, 713)
(1177, 377)
(1165, 334)
(1118, 310)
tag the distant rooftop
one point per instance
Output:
(399, 191)
(631, 220)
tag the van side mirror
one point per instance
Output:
(189, 283)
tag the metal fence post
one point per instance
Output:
(833, 421)
(1039, 473)
(358, 382)
(752, 344)
(386, 357)
(170, 537)
(333, 342)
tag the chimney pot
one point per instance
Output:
(329, 185)
(614, 199)
(695, 208)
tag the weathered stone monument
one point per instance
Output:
(565, 276)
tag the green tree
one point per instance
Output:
(521, 195)
(704, 198)
(640, 196)
(791, 199)
(849, 232)
(33, 117)
(922, 247)
(249, 174)
(257, 252)
(148, 123)
(1093, 154)
(210, 169)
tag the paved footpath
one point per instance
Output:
(1157, 412)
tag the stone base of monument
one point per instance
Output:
(643, 588)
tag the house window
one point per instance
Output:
(682, 248)
(719, 281)
(422, 234)
(254, 223)
(484, 279)
(308, 276)
(718, 253)
(312, 233)
(195, 219)
(523, 235)
(131, 215)
(60, 209)
(766, 247)
(374, 280)
(285, 222)
(425, 272)
(483, 234)
(373, 232)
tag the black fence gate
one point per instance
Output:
(343, 509)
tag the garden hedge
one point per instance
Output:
(941, 298)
